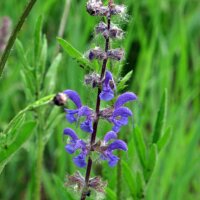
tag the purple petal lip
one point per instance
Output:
(124, 98)
(71, 133)
(84, 111)
(118, 144)
(87, 126)
(74, 96)
(70, 148)
(71, 115)
(113, 160)
(109, 136)
(106, 95)
(80, 160)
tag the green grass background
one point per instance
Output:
(162, 44)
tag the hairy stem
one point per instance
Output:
(95, 124)
(14, 34)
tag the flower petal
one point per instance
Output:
(112, 161)
(109, 136)
(108, 77)
(116, 128)
(74, 96)
(124, 98)
(106, 95)
(71, 133)
(71, 115)
(84, 111)
(80, 160)
(87, 126)
(70, 148)
(118, 144)
(123, 112)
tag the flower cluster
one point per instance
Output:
(117, 115)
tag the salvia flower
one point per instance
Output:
(75, 144)
(80, 111)
(106, 149)
(108, 87)
(120, 114)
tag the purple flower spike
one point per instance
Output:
(110, 136)
(108, 87)
(124, 98)
(74, 97)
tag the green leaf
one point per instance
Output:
(162, 142)
(140, 146)
(38, 37)
(161, 118)
(6, 153)
(110, 194)
(140, 185)
(21, 53)
(50, 78)
(151, 162)
(130, 179)
(122, 84)
(75, 54)
(41, 102)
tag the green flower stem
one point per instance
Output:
(14, 34)
(39, 161)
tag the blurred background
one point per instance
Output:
(162, 44)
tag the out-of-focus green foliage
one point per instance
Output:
(162, 51)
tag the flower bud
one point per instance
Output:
(93, 79)
(116, 54)
(114, 31)
(117, 9)
(96, 53)
(60, 99)
(96, 8)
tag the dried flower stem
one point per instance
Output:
(98, 102)
(14, 34)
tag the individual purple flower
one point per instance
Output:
(73, 115)
(75, 144)
(120, 114)
(107, 150)
(108, 87)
